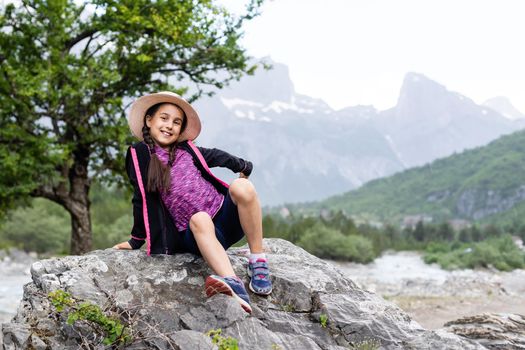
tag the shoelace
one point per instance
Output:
(260, 270)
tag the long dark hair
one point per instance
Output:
(159, 178)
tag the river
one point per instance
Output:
(433, 296)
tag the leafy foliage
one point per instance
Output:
(329, 243)
(114, 331)
(498, 252)
(222, 342)
(323, 320)
(43, 227)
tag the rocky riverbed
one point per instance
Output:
(433, 296)
(14, 272)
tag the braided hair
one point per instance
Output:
(159, 178)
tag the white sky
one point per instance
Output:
(351, 52)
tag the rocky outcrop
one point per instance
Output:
(313, 305)
(494, 331)
(476, 204)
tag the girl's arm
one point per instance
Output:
(215, 157)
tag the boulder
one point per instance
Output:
(161, 299)
(494, 331)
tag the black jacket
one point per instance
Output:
(152, 223)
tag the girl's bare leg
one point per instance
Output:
(245, 197)
(211, 249)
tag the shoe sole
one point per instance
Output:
(216, 286)
(260, 293)
(253, 290)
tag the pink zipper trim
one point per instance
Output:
(144, 203)
(203, 162)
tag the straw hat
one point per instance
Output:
(142, 104)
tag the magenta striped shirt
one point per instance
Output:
(189, 192)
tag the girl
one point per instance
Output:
(179, 206)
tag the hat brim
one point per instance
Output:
(142, 104)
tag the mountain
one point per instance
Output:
(477, 184)
(303, 150)
(503, 106)
(431, 122)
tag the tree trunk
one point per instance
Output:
(78, 203)
(81, 237)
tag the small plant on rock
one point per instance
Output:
(288, 307)
(323, 320)
(112, 329)
(222, 342)
(367, 344)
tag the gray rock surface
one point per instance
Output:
(494, 331)
(163, 300)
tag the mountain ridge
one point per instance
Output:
(474, 185)
(304, 150)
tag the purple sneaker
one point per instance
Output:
(231, 286)
(260, 277)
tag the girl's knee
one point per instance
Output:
(242, 190)
(200, 222)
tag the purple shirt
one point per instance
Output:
(189, 192)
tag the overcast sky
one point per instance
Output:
(350, 52)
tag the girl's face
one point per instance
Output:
(165, 125)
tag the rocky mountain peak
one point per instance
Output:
(503, 106)
(265, 86)
(421, 97)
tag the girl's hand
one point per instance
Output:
(242, 176)
(123, 246)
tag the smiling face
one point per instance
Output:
(165, 124)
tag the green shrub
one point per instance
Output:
(107, 235)
(115, 333)
(323, 320)
(222, 342)
(42, 227)
(499, 252)
(329, 243)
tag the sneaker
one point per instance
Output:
(231, 286)
(260, 277)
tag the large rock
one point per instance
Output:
(162, 298)
(494, 331)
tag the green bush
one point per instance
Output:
(107, 235)
(42, 227)
(499, 252)
(329, 243)
(111, 328)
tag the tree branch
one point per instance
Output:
(53, 194)
(86, 34)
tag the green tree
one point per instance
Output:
(445, 232)
(419, 232)
(476, 234)
(70, 68)
(465, 235)
(329, 243)
(299, 226)
(392, 233)
(341, 222)
(42, 227)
